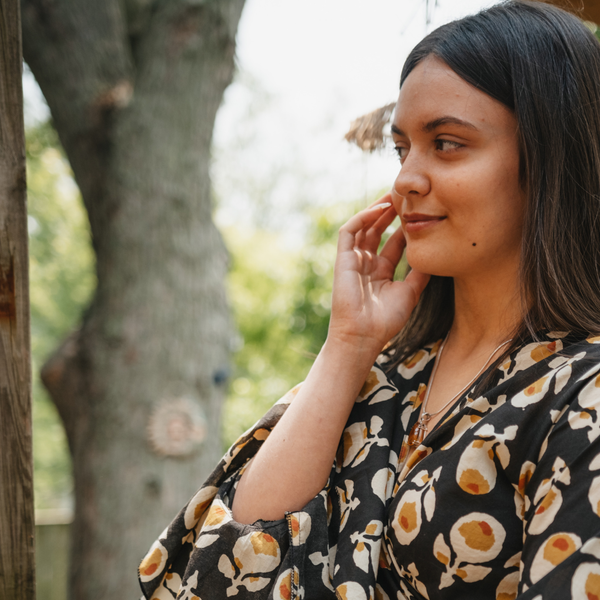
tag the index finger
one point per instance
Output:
(384, 199)
(360, 222)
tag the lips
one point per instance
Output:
(414, 222)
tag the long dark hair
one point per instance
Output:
(544, 64)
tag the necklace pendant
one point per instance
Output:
(417, 433)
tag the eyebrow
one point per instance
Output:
(431, 125)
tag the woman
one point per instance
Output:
(468, 464)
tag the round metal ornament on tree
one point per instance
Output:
(177, 427)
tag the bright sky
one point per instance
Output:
(306, 70)
(313, 67)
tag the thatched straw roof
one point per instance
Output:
(367, 131)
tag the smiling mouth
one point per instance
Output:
(414, 222)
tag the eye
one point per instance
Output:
(401, 151)
(447, 145)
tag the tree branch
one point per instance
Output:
(64, 378)
(80, 56)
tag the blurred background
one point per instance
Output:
(283, 181)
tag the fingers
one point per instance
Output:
(373, 234)
(394, 247)
(385, 199)
(365, 228)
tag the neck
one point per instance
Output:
(487, 311)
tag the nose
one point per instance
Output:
(412, 180)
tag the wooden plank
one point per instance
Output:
(17, 569)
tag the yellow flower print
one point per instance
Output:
(507, 588)
(407, 519)
(589, 401)
(476, 472)
(351, 591)
(154, 562)
(254, 555)
(477, 538)
(376, 386)
(366, 546)
(552, 552)
(300, 525)
(417, 362)
(197, 506)
(217, 516)
(357, 441)
(347, 501)
(529, 355)
(543, 351)
(548, 498)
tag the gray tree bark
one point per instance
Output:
(17, 572)
(133, 87)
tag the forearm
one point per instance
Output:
(368, 309)
(294, 463)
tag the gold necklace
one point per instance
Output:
(419, 431)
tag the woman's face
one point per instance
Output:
(457, 193)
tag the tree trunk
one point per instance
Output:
(17, 568)
(133, 88)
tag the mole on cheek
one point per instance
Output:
(474, 244)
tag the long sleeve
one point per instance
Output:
(561, 551)
(326, 550)
(205, 527)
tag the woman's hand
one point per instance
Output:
(368, 307)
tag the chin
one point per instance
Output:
(431, 263)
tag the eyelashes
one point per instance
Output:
(447, 145)
(401, 152)
(441, 145)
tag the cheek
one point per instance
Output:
(397, 199)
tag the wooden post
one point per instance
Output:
(588, 10)
(17, 569)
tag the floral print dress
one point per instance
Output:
(501, 500)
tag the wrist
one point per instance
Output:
(358, 350)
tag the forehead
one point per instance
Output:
(433, 90)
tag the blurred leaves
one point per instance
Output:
(280, 293)
(281, 299)
(61, 283)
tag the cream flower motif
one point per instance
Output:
(552, 552)
(357, 441)
(367, 545)
(586, 582)
(154, 562)
(376, 387)
(475, 538)
(413, 505)
(254, 555)
(476, 471)
(548, 498)
(198, 505)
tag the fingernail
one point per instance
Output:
(381, 206)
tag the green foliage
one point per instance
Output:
(271, 358)
(281, 299)
(61, 281)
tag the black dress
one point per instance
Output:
(501, 501)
